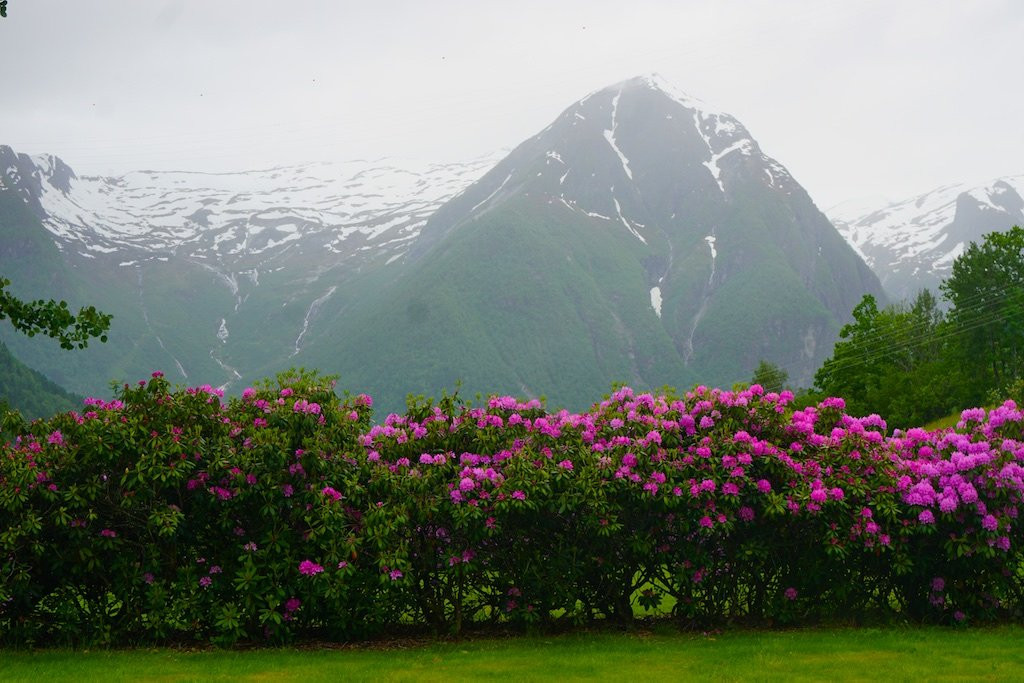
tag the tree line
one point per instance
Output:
(919, 360)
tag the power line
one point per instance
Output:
(880, 337)
(953, 332)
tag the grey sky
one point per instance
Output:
(855, 97)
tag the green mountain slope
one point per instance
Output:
(516, 302)
(29, 391)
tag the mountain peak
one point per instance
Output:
(655, 81)
(677, 198)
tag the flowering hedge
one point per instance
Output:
(170, 515)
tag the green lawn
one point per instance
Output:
(891, 654)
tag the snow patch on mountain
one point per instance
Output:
(609, 135)
(710, 239)
(629, 226)
(656, 300)
(491, 195)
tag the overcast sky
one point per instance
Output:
(856, 98)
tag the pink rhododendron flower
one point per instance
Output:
(310, 568)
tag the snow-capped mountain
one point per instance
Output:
(643, 236)
(585, 159)
(911, 244)
(227, 217)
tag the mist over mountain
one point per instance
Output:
(642, 237)
(911, 244)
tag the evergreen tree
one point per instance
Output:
(770, 376)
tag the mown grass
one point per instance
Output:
(891, 654)
(943, 422)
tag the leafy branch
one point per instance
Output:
(53, 319)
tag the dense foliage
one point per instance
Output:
(168, 515)
(912, 362)
(986, 290)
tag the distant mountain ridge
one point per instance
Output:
(227, 217)
(643, 236)
(911, 244)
